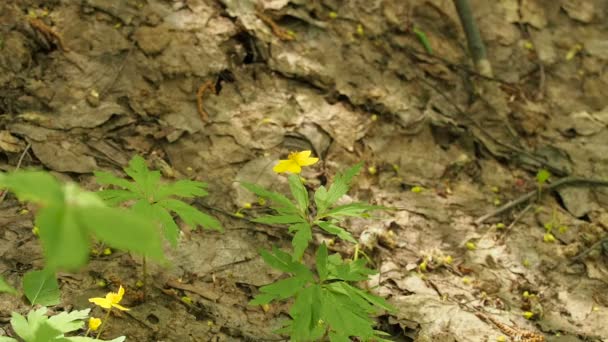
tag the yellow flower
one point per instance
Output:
(94, 323)
(294, 162)
(111, 300)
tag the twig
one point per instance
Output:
(515, 220)
(530, 195)
(476, 45)
(27, 148)
(48, 33)
(278, 31)
(199, 99)
(588, 250)
(118, 73)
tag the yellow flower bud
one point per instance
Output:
(94, 323)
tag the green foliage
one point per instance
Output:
(6, 288)
(154, 199)
(325, 301)
(41, 287)
(38, 327)
(542, 177)
(70, 216)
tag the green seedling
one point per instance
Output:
(541, 179)
(326, 304)
(38, 327)
(152, 198)
(70, 216)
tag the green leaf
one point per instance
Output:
(115, 197)
(170, 229)
(306, 314)
(106, 178)
(263, 298)
(41, 287)
(335, 230)
(300, 240)
(280, 219)
(299, 192)
(192, 216)
(35, 186)
(22, 327)
(280, 202)
(283, 262)
(146, 180)
(378, 302)
(345, 317)
(352, 209)
(321, 262)
(285, 288)
(542, 176)
(46, 333)
(349, 270)
(6, 288)
(59, 227)
(69, 321)
(338, 189)
(122, 229)
(182, 188)
(7, 339)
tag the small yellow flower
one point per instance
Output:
(549, 238)
(294, 162)
(247, 205)
(111, 300)
(417, 189)
(528, 314)
(471, 246)
(94, 323)
(107, 251)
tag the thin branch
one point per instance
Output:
(27, 148)
(476, 45)
(530, 195)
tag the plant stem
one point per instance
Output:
(87, 333)
(476, 45)
(104, 323)
(144, 275)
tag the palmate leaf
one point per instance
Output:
(344, 317)
(66, 243)
(352, 209)
(321, 262)
(301, 239)
(106, 178)
(35, 186)
(123, 229)
(182, 188)
(324, 198)
(147, 180)
(115, 197)
(331, 228)
(283, 262)
(282, 289)
(280, 203)
(192, 216)
(280, 219)
(306, 315)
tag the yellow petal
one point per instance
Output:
(121, 292)
(103, 302)
(94, 323)
(287, 166)
(119, 307)
(303, 158)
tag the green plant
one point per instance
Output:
(70, 216)
(152, 198)
(155, 199)
(38, 327)
(326, 303)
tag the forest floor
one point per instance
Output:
(351, 81)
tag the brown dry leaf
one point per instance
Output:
(533, 13)
(65, 156)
